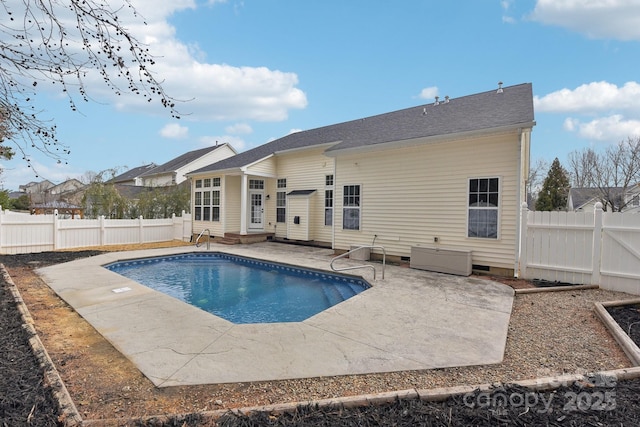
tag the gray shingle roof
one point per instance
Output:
(132, 173)
(472, 113)
(180, 161)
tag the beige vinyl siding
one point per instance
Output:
(411, 195)
(306, 170)
(303, 207)
(231, 203)
(266, 167)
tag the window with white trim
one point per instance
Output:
(206, 203)
(256, 184)
(281, 200)
(351, 207)
(483, 205)
(328, 200)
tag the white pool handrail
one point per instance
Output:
(208, 238)
(384, 258)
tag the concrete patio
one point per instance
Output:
(411, 320)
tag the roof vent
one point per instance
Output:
(499, 88)
(437, 101)
(446, 99)
(424, 111)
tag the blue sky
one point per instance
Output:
(255, 70)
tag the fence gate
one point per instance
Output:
(620, 259)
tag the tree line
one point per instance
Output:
(609, 174)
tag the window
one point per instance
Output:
(483, 207)
(328, 200)
(256, 184)
(281, 201)
(351, 207)
(197, 204)
(206, 203)
(215, 205)
(206, 206)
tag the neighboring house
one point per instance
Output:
(585, 199)
(132, 176)
(46, 198)
(174, 171)
(449, 174)
(36, 190)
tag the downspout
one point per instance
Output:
(333, 211)
(523, 176)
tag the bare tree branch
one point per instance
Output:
(65, 43)
(613, 172)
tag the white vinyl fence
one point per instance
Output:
(25, 233)
(601, 248)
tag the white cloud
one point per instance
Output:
(239, 129)
(591, 98)
(506, 5)
(214, 92)
(600, 111)
(428, 92)
(602, 19)
(612, 128)
(174, 131)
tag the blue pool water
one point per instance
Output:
(242, 290)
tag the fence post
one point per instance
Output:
(186, 227)
(522, 256)
(103, 231)
(1, 229)
(56, 229)
(141, 230)
(597, 243)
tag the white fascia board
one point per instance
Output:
(308, 147)
(230, 171)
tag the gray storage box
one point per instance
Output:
(441, 260)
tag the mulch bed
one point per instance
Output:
(25, 399)
(628, 317)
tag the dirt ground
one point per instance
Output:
(105, 385)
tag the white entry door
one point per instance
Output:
(256, 211)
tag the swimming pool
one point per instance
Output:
(242, 290)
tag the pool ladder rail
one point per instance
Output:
(384, 261)
(208, 238)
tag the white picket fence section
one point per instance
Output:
(601, 248)
(24, 233)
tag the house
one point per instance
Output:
(585, 199)
(133, 176)
(449, 174)
(65, 198)
(174, 171)
(36, 190)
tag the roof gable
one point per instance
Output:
(180, 161)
